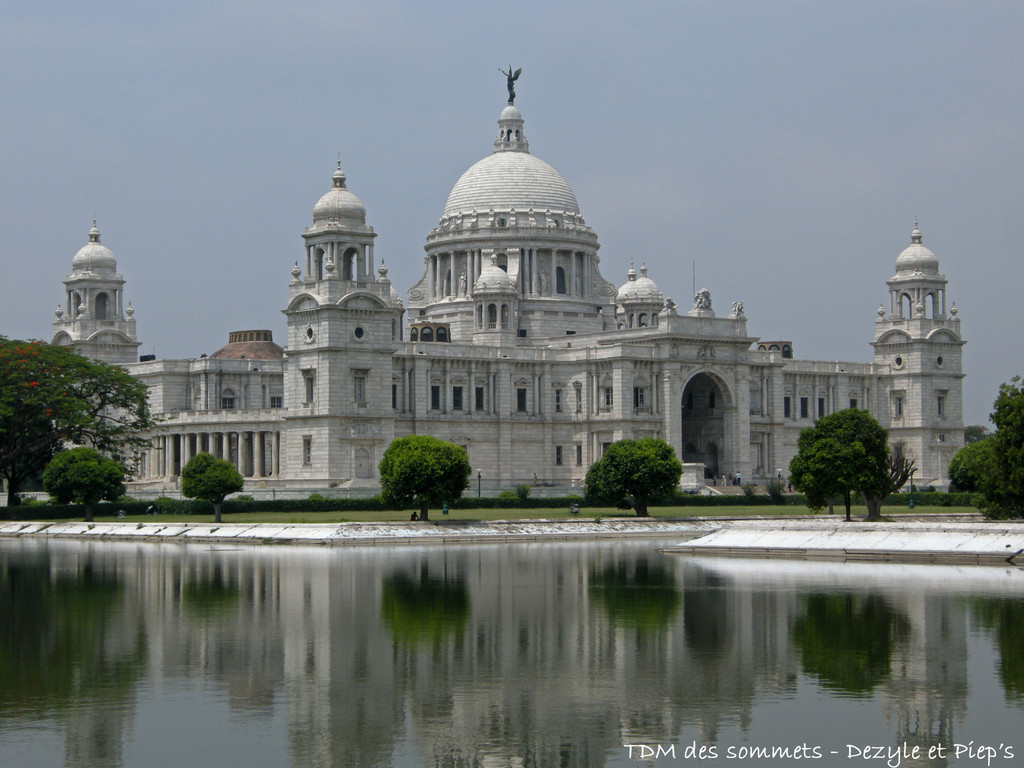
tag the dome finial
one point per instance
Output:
(915, 236)
(339, 175)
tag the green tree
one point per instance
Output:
(970, 465)
(423, 471)
(846, 453)
(51, 396)
(83, 476)
(975, 432)
(638, 471)
(210, 479)
(1002, 482)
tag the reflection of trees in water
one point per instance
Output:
(706, 613)
(638, 593)
(54, 646)
(424, 608)
(1004, 617)
(211, 596)
(60, 653)
(846, 640)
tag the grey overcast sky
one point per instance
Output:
(783, 148)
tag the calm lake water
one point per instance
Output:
(533, 655)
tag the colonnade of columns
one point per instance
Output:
(537, 276)
(318, 254)
(254, 453)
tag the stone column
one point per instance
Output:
(261, 457)
(275, 455)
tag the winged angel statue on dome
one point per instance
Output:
(512, 77)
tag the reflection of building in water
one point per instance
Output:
(926, 694)
(494, 656)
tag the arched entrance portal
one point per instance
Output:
(703, 424)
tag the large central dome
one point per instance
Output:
(511, 178)
(507, 180)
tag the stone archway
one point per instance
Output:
(703, 423)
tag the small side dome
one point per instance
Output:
(93, 257)
(250, 345)
(916, 257)
(640, 288)
(493, 279)
(339, 205)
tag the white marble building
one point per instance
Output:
(513, 345)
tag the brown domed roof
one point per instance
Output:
(250, 345)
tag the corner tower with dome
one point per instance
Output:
(93, 318)
(512, 344)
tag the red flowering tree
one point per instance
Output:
(52, 397)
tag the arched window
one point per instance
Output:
(348, 268)
(479, 315)
(442, 334)
(426, 334)
(414, 334)
(492, 316)
(504, 315)
(101, 306)
(318, 264)
(787, 351)
(503, 262)
(559, 279)
(227, 399)
(906, 307)
(641, 321)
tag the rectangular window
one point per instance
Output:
(435, 397)
(558, 455)
(821, 407)
(227, 402)
(276, 401)
(853, 402)
(394, 397)
(787, 406)
(639, 398)
(480, 398)
(938, 405)
(359, 388)
(897, 406)
(309, 380)
(579, 455)
(456, 398)
(521, 399)
(558, 401)
(307, 450)
(803, 408)
(579, 400)
(608, 396)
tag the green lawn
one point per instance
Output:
(522, 514)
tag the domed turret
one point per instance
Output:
(916, 257)
(339, 206)
(93, 257)
(92, 318)
(639, 300)
(493, 280)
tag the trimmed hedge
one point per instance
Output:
(197, 507)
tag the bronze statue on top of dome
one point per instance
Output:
(512, 77)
